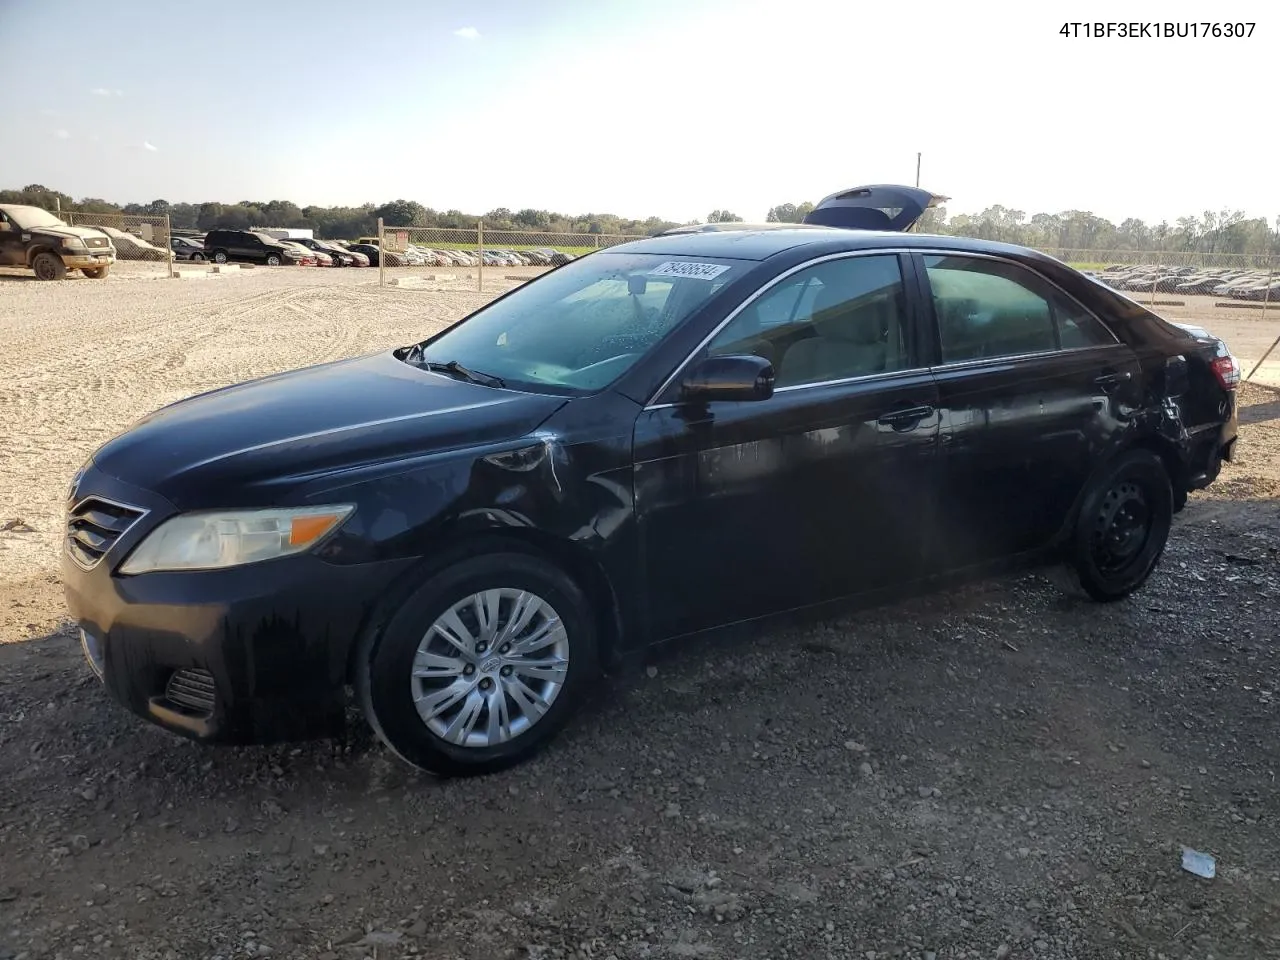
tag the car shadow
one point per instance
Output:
(1259, 412)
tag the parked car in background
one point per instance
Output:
(333, 255)
(358, 259)
(36, 239)
(370, 241)
(132, 247)
(375, 255)
(246, 246)
(187, 248)
(464, 529)
(301, 255)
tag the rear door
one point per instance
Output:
(1032, 390)
(823, 491)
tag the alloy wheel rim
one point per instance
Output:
(1122, 527)
(490, 667)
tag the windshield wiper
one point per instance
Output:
(454, 368)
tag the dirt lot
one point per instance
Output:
(995, 772)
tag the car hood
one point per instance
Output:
(252, 443)
(68, 231)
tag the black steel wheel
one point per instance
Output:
(48, 266)
(1122, 527)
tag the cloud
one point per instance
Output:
(467, 33)
(147, 145)
(104, 92)
(48, 112)
(62, 134)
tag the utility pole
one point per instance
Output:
(917, 169)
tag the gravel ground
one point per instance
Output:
(999, 771)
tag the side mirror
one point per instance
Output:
(745, 377)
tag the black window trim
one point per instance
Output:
(906, 268)
(927, 304)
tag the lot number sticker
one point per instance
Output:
(682, 268)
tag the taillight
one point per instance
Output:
(1227, 371)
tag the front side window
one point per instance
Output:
(580, 328)
(835, 320)
(990, 308)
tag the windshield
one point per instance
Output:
(578, 329)
(32, 218)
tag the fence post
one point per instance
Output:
(382, 253)
(480, 250)
(1265, 299)
(168, 245)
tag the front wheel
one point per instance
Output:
(96, 273)
(48, 266)
(481, 666)
(1123, 527)
(197, 258)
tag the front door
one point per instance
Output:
(13, 251)
(1032, 387)
(825, 490)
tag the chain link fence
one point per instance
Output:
(141, 240)
(479, 253)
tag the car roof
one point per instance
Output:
(760, 244)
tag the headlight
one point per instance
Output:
(73, 243)
(213, 540)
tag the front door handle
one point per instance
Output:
(1111, 379)
(905, 418)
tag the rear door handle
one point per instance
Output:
(906, 418)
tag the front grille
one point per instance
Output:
(192, 689)
(97, 242)
(93, 527)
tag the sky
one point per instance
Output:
(670, 108)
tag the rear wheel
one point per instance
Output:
(219, 256)
(481, 666)
(1123, 527)
(273, 260)
(48, 266)
(96, 273)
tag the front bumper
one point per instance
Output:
(253, 654)
(91, 260)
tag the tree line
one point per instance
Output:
(1221, 232)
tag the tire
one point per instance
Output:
(49, 266)
(96, 273)
(199, 257)
(1122, 527)
(219, 256)
(387, 688)
(273, 260)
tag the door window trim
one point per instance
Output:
(927, 295)
(905, 269)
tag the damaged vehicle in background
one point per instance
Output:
(36, 239)
(719, 425)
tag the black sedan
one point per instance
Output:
(658, 440)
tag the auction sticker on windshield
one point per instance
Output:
(694, 271)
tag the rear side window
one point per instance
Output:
(989, 308)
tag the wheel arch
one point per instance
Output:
(1169, 454)
(37, 249)
(575, 560)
